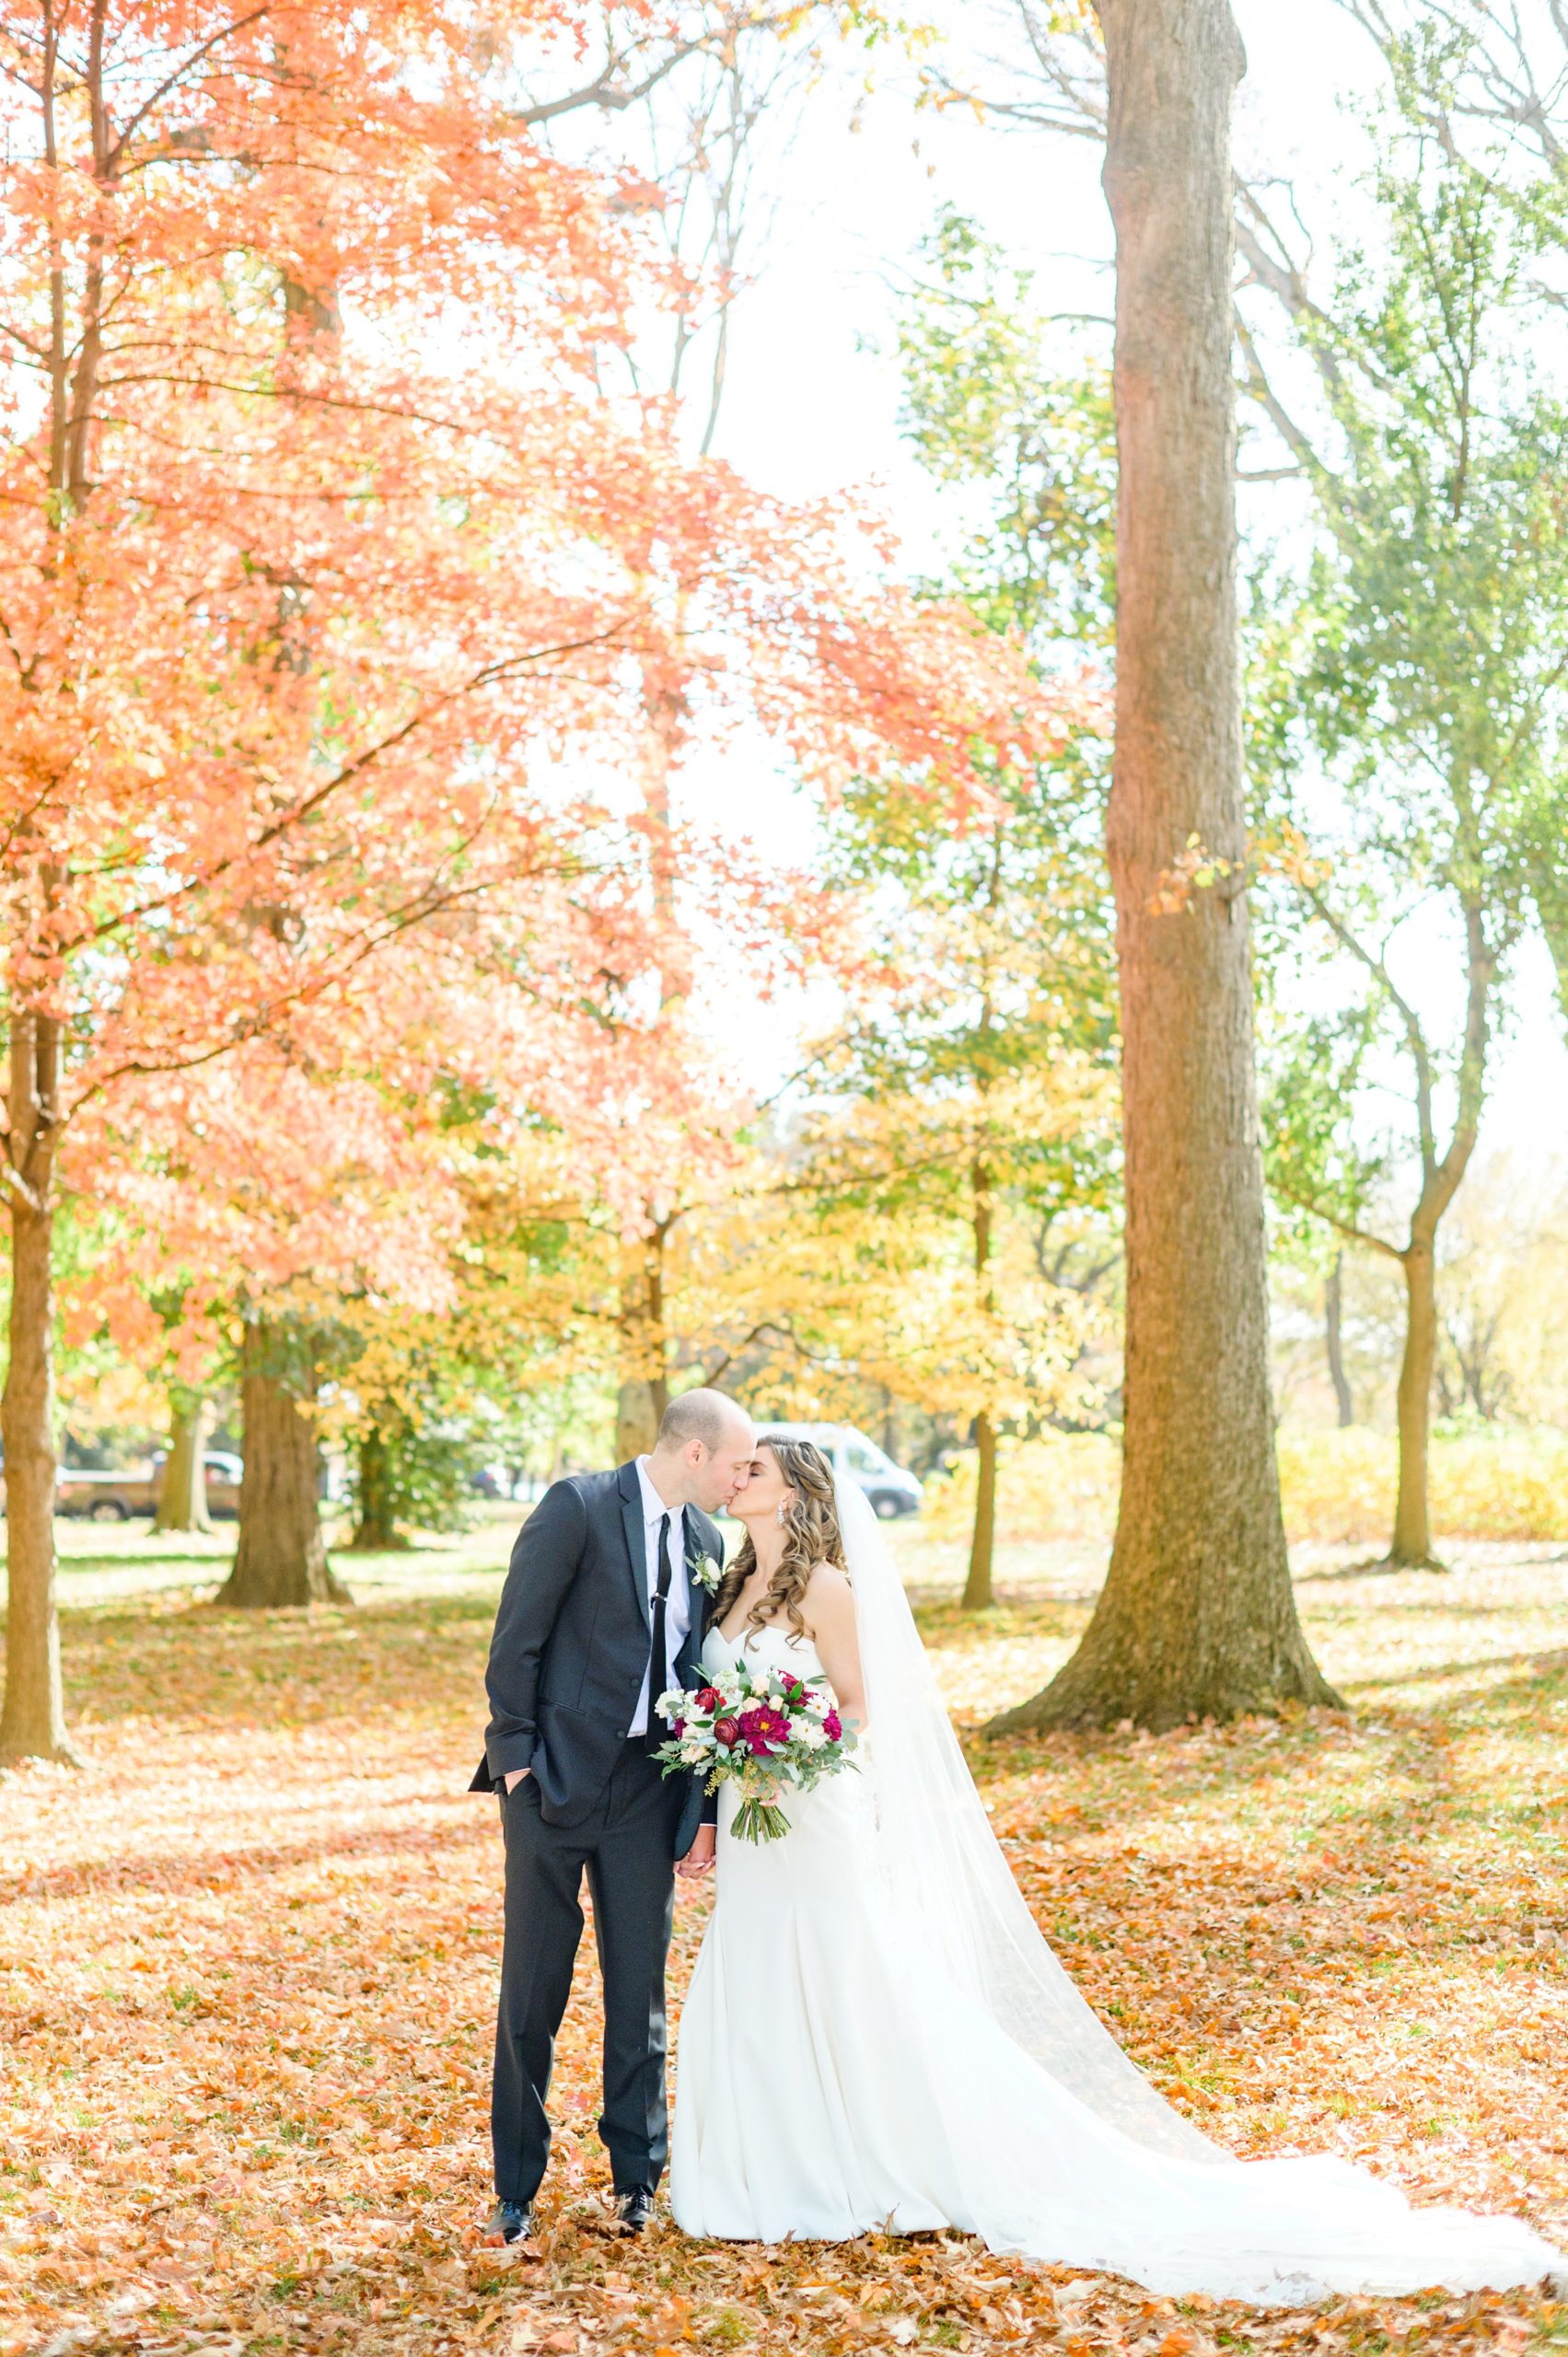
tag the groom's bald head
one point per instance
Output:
(711, 1417)
(704, 1449)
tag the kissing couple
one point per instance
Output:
(877, 2038)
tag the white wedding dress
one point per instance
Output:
(877, 2035)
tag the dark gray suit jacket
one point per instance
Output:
(571, 1644)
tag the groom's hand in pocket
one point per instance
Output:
(514, 1777)
(700, 1856)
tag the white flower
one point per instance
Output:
(809, 1733)
(706, 1573)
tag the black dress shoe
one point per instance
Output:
(507, 2222)
(634, 2208)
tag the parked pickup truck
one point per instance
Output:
(105, 1497)
(116, 1497)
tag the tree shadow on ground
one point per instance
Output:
(249, 1860)
(174, 1662)
(1537, 1666)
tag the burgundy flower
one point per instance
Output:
(766, 1729)
(708, 1698)
(679, 1729)
(727, 1731)
(833, 1726)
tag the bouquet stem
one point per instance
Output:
(759, 1821)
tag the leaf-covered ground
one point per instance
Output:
(248, 1965)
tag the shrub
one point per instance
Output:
(1337, 1486)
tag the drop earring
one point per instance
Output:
(779, 1513)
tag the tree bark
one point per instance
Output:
(1411, 1542)
(1441, 1181)
(376, 1523)
(182, 1490)
(32, 1722)
(636, 1425)
(1333, 1337)
(34, 1716)
(977, 1586)
(658, 1340)
(643, 1394)
(281, 1558)
(978, 1591)
(1197, 1616)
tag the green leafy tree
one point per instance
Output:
(1409, 728)
(990, 417)
(982, 1056)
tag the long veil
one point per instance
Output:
(943, 1877)
(1062, 2148)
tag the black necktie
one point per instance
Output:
(659, 1667)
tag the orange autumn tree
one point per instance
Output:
(281, 603)
(279, 1197)
(301, 604)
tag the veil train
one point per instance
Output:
(1063, 2149)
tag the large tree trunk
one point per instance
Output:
(281, 1558)
(1411, 1542)
(1197, 1615)
(375, 1520)
(977, 1587)
(643, 1392)
(1334, 1339)
(32, 1722)
(636, 1424)
(183, 1491)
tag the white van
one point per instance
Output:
(891, 1490)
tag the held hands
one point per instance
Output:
(699, 1858)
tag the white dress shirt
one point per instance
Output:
(677, 1602)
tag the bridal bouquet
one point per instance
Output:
(756, 1733)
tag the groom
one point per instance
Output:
(603, 1611)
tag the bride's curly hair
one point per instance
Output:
(811, 1536)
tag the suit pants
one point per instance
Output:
(626, 1846)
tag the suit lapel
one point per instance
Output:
(631, 1490)
(698, 1544)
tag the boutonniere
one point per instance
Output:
(707, 1573)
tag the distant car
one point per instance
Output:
(104, 1497)
(98, 1496)
(891, 1491)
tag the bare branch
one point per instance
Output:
(1415, 1037)
(1257, 385)
(223, 32)
(1341, 1226)
(488, 675)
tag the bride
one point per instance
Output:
(877, 2036)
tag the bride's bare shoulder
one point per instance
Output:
(827, 1592)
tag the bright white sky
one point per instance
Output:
(812, 395)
